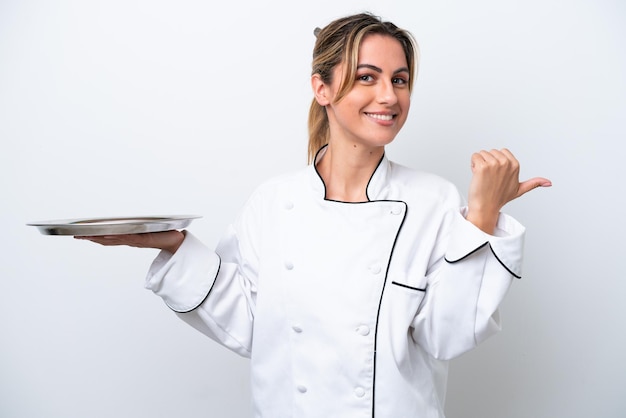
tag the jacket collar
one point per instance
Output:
(376, 187)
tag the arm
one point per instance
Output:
(467, 284)
(213, 291)
(483, 252)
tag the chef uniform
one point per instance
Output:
(346, 309)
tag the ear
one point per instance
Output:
(320, 90)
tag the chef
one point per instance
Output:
(351, 282)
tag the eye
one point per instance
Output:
(399, 80)
(365, 77)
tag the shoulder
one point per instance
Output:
(282, 181)
(278, 185)
(404, 176)
(266, 196)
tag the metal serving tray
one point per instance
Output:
(113, 225)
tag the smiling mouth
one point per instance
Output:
(380, 117)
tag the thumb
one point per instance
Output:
(531, 184)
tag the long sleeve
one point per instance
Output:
(183, 280)
(213, 291)
(460, 307)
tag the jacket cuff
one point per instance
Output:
(507, 242)
(184, 279)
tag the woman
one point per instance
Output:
(351, 282)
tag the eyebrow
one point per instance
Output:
(379, 70)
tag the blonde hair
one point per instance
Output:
(339, 43)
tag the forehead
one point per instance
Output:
(382, 50)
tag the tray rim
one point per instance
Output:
(93, 226)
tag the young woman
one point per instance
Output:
(351, 282)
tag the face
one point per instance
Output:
(374, 111)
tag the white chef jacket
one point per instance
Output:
(346, 309)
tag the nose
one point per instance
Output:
(386, 94)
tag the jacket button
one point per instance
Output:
(359, 392)
(296, 328)
(288, 205)
(301, 388)
(396, 210)
(375, 268)
(363, 330)
(288, 265)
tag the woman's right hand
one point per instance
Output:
(167, 240)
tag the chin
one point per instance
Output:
(381, 142)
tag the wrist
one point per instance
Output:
(484, 222)
(174, 241)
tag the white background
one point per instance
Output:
(155, 107)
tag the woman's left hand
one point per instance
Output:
(495, 182)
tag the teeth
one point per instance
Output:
(380, 117)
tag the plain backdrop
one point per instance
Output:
(127, 108)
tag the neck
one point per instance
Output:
(346, 171)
